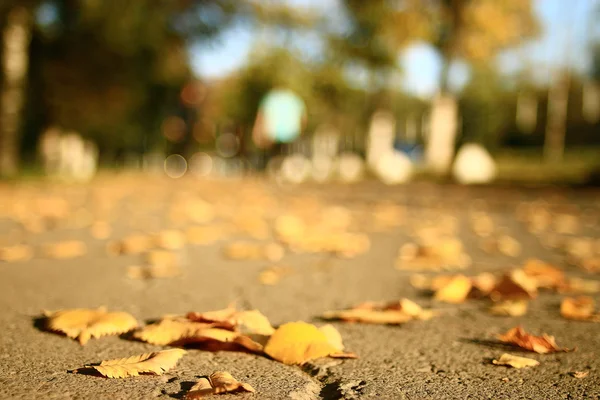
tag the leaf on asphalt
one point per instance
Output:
(254, 251)
(100, 230)
(392, 313)
(132, 244)
(155, 363)
(510, 308)
(544, 275)
(483, 284)
(455, 290)
(211, 335)
(84, 324)
(19, 252)
(248, 322)
(579, 285)
(170, 239)
(516, 361)
(333, 336)
(579, 308)
(441, 254)
(299, 342)
(153, 271)
(580, 374)
(170, 330)
(539, 344)
(65, 250)
(217, 383)
(514, 285)
(271, 275)
(206, 234)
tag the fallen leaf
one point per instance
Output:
(509, 246)
(539, 344)
(455, 290)
(65, 250)
(217, 383)
(153, 271)
(155, 363)
(248, 322)
(299, 342)
(579, 285)
(170, 239)
(271, 275)
(133, 244)
(333, 336)
(20, 252)
(516, 361)
(100, 230)
(514, 285)
(84, 324)
(170, 330)
(580, 374)
(381, 313)
(579, 308)
(511, 308)
(544, 275)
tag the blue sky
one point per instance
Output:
(420, 63)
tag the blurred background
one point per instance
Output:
(176, 86)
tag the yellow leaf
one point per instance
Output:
(83, 324)
(455, 291)
(217, 383)
(170, 239)
(20, 252)
(169, 330)
(515, 361)
(333, 336)
(580, 308)
(392, 313)
(65, 250)
(299, 342)
(543, 275)
(155, 363)
(511, 308)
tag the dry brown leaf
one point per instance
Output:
(511, 308)
(299, 342)
(544, 275)
(579, 308)
(20, 252)
(580, 374)
(509, 246)
(155, 363)
(516, 361)
(217, 383)
(248, 322)
(65, 250)
(205, 235)
(381, 313)
(84, 324)
(514, 285)
(539, 344)
(455, 290)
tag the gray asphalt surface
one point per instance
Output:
(443, 358)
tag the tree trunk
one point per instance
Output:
(15, 41)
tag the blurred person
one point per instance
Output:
(280, 120)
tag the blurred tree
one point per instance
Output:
(16, 21)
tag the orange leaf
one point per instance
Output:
(539, 344)
(580, 308)
(455, 290)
